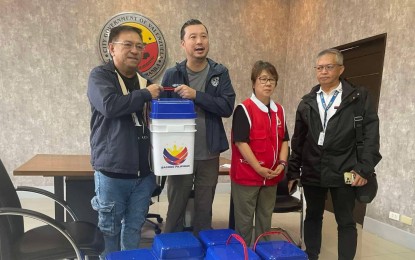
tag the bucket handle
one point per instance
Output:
(241, 240)
(171, 88)
(168, 88)
(278, 232)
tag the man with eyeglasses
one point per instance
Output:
(120, 143)
(324, 149)
(208, 84)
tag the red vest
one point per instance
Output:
(265, 139)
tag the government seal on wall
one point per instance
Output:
(154, 54)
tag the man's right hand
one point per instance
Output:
(155, 90)
(185, 91)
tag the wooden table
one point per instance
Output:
(72, 166)
(58, 167)
(54, 165)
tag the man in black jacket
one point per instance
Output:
(324, 148)
(120, 141)
(208, 84)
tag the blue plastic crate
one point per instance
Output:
(279, 250)
(229, 252)
(215, 237)
(180, 245)
(138, 254)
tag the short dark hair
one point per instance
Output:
(260, 66)
(115, 32)
(188, 23)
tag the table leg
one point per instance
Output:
(58, 185)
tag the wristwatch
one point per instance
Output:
(283, 163)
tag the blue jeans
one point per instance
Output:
(122, 206)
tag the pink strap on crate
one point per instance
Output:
(241, 240)
(272, 233)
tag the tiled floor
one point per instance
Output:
(370, 247)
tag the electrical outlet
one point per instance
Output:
(394, 216)
(406, 220)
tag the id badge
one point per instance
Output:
(321, 138)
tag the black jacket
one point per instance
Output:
(325, 165)
(217, 101)
(114, 137)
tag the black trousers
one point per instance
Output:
(343, 204)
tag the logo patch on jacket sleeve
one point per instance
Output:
(214, 81)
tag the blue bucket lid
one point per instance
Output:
(172, 108)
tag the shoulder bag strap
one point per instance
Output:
(358, 123)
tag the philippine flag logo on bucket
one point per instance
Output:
(175, 156)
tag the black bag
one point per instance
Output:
(366, 193)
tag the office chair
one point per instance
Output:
(156, 193)
(286, 202)
(55, 240)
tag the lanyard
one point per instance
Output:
(326, 108)
(143, 84)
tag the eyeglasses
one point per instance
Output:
(264, 81)
(328, 67)
(129, 45)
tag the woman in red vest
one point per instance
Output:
(259, 153)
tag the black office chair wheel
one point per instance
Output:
(159, 219)
(157, 231)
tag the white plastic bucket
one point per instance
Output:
(172, 128)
